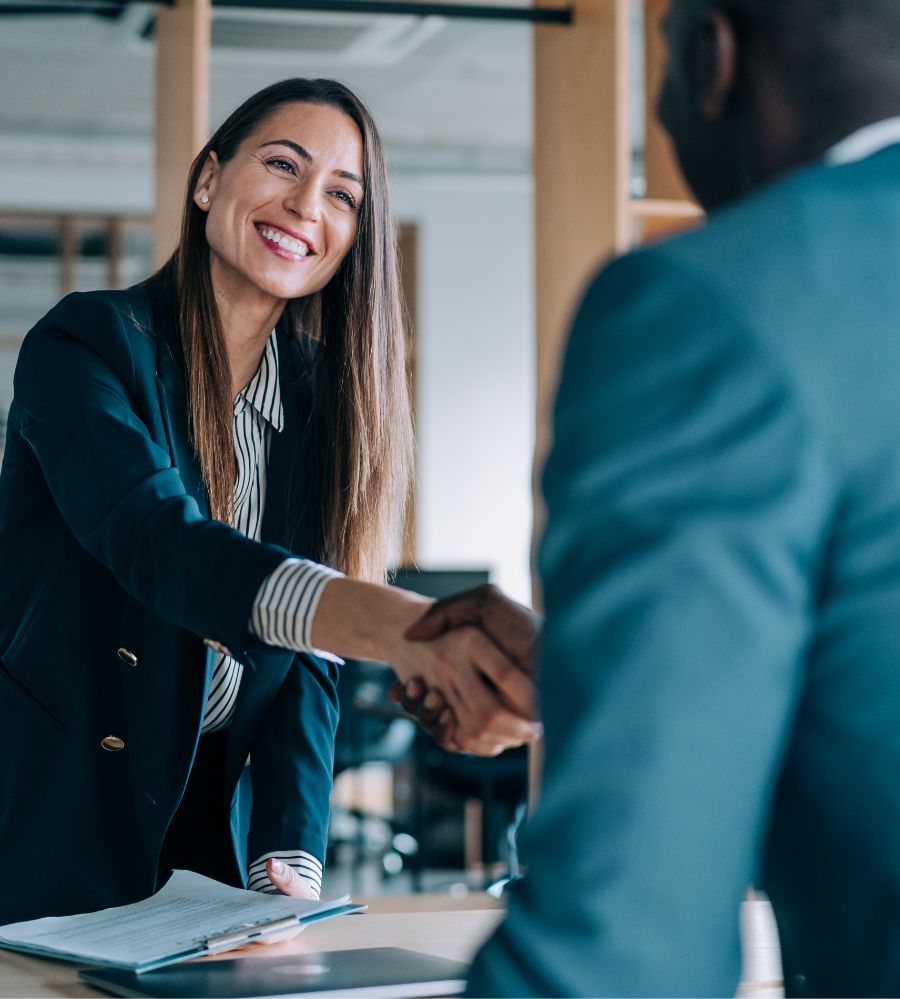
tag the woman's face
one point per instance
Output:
(282, 212)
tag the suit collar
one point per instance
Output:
(865, 142)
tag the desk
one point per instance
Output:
(434, 924)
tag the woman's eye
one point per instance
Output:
(285, 166)
(347, 198)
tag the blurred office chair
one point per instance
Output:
(496, 786)
(499, 785)
(371, 730)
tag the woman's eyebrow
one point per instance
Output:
(305, 154)
(351, 176)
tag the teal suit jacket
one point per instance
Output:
(721, 660)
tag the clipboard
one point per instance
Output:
(245, 933)
(191, 916)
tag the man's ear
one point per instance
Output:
(716, 63)
(206, 184)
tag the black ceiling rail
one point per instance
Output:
(104, 7)
(416, 8)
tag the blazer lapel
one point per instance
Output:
(171, 382)
(292, 514)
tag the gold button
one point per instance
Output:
(127, 657)
(112, 743)
(217, 646)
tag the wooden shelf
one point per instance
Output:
(656, 218)
(658, 208)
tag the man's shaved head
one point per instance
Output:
(795, 27)
(812, 12)
(755, 87)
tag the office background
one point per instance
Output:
(452, 99)
(492, 263)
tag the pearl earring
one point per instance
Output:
(204, 199)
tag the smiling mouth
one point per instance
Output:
(283, 244)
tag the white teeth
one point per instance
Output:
(295, 246)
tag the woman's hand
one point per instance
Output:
(490, 694)
(288, 882)
(428, 709)
(489, 702)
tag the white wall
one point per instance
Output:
(475, 371)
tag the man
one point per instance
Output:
(721, 657)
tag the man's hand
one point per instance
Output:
(509, 625)
(490, 693)
(512, 627)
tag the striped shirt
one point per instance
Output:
(286, 602)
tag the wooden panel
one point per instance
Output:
(581, 167)
(408, 246)
(664, 180)
(653, 219)
(582, 154)
(182, 111)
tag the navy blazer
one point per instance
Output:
(107, 544)
(720, 681)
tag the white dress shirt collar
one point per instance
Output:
(865, 142)
(264, 391)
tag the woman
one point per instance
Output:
(185, 460)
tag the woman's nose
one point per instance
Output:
(306, 201)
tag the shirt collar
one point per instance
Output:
(264, 391)
(865, 142)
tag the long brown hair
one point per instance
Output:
(366, 450)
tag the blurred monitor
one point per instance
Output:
(438, 583)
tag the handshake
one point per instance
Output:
(475, 691)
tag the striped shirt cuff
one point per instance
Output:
(305, 864)
(286, 604)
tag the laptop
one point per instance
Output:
(377, 971)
